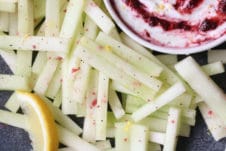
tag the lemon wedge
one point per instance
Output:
(41, 127)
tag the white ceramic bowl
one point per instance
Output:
(202, 47)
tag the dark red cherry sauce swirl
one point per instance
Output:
(187, 6)
(183, 7)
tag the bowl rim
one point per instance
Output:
(162, 49)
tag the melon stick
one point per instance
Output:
(153, 123)
(23, 63)
(81, 110)
(120, 88)
(114, 73)
(172, 129)
(139, 138)
(168, 59)
(102, 110)
(25, 28)
(89, 127)
(183, 100)
(157, 137)
(186, 112)
(115, 104)
(39, 63)
(185, 120)
(216, 55)
(25, 17)
(184, 130)
(124, 65)
(52, 17)
(58, 98)
(90, 30)
(69, 106)
(137, 47)
(70, 68)
(45, 77)
(213, 68)
(73, 7)
(122, 136)
(14, 82)
(14, 119)
(145, 52)
(38, 66)
(102, 104)
(167, 75)
(99, 17)
(213, 122)
(80, 82)
(71, 140)
(120, 75)
(160, 125)
(55, 83)
(12, 103)
(71, 27)
(72, 20)
(133, 103)
(152, 106)
(130, 55)
(31, 43)
(203, 86)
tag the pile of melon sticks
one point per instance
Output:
(70, 53)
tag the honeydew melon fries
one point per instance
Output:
(83, 63)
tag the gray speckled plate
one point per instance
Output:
(14, 139)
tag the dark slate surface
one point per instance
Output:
(14, 139)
